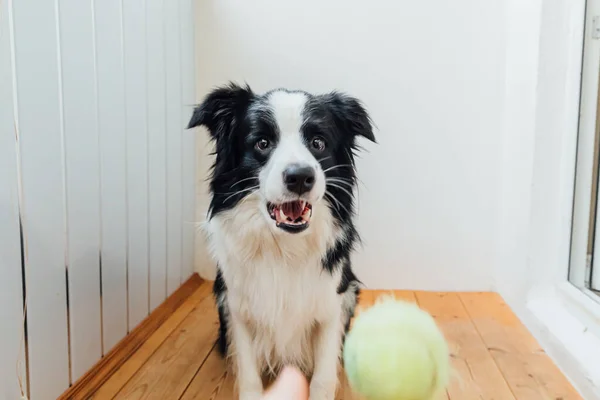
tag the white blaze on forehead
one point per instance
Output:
(288, 110)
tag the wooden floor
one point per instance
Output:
(492, 354)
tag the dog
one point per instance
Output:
(280, 227)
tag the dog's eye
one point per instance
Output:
(318, 143)
(262, 144)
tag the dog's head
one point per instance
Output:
(291, 148)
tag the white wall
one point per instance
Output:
(432, 75)
(540, 138)
(97, 169)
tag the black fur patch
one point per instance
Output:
(220, 290)
(342, 248)
(348, 282)
(348, 278)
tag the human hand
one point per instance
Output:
(290, 385)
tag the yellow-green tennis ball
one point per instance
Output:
(395, 351)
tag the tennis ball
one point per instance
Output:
(395, 351)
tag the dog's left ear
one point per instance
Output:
(351, 115)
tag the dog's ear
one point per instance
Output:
(220, 108)
(351, 116)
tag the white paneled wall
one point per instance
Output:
(96, 179)
(11, 295)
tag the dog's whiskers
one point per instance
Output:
(224, 193)
(243, 180)
(239, 192)
(346, 182)
(341, 178)
(338, 166)
(329, 195)
(342, 189)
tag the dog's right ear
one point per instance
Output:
(219, 109)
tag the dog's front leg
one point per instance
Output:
(249, 381)
(328, 346)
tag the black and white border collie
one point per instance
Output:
(280, 227)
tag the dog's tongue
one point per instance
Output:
(292, 209)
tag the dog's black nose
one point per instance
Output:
(299, 178)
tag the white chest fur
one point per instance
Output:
(275, 281)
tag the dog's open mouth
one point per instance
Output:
(293, 216)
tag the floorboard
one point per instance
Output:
(478, 375)
(167, 373)
(527, 369)
(210, 379)
(116, 382)
(493, 356)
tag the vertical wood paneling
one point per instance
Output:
(134, 34)
(77, 46)
(39, 105)
(189, 139)
(174, 137)
(157, 140)
(11, 296)
(113, 161)
(101, 173)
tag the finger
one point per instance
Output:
(290, 385)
